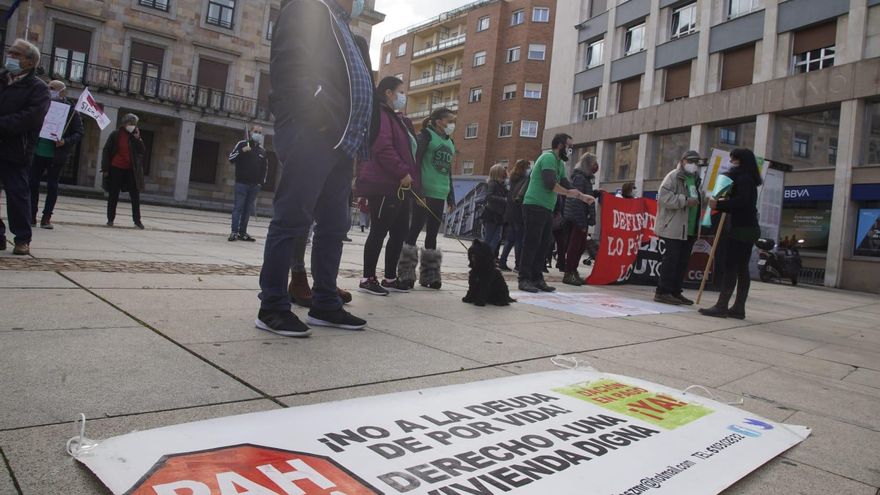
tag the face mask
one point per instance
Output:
(130, 128)
(563, 154)
(12, 65)
(258, 138)
(357, 8)
(54, 94)
(691, 168)
(450, 128)
(400, 102)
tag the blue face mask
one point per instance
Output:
(357, 8)
(12, 65)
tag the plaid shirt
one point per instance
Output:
(355, 142)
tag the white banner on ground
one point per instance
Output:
(562, 432)
(55, 121)
(595, 305)
(86, 104)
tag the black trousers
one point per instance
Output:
(736, 270)
(537, 240)
(675, 264)
(14, 178)
(123, 179)
(52, 169)
(389, 216)
(420, 217)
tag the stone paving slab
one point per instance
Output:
(847, 354)
(46, 309)
(10, 279)
(41, 465)
(785, 477)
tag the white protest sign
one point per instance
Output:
(562, 432)
(595, 305)
(86, 104)
(55, 121)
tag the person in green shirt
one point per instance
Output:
(434, 153)
(546, 182)
(678, 211)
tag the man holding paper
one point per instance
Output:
(52, 151)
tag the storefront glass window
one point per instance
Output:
(622, 165)
(731, 136)
(807, 140)
(669, 150)
(872, 140)
(867, 241)
(808, 221)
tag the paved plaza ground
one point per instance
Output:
(141, 329)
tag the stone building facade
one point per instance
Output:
(196, 72)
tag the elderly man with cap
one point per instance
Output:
(123, 169)
(24, 101)
(678, 212)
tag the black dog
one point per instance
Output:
(485, 282)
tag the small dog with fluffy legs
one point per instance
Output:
(486, 284)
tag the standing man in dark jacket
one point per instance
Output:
(51, 156)
(251, 165)
(24, 101)
(122, 166)
(322, 99)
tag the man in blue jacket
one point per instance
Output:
(24, 101)
(321, 97)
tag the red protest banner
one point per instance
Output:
(626, 224)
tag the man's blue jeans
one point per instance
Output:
(315, 185)
(243, 208)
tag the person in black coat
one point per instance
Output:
(519, 182)
(579, 217)
(496, 201)
(251, 167)
(741, 207)
(122, 165)
(51, 156)
(24, 101)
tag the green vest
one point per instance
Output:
(537, 193)
(437, 166)
(45, 148)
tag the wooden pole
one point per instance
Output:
(711, 256)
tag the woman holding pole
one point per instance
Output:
(741, 207)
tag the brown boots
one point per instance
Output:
(301, 292)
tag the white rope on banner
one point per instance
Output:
(571, 363)
(80, 444)
(712, 396)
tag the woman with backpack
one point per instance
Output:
(392, 167)
(496, 201)
(519, 182)
(579, 217)
(434, 155)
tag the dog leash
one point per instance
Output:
(401, 195)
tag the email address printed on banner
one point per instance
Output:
(658, 479)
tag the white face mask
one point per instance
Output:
(450, 128)
(12, 65)
(691, 168)
(130, 128)
(54, 94)
(400, 102)
(258, 138)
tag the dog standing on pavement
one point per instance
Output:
(485, 282)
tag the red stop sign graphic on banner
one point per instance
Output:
(250, 469)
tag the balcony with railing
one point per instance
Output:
(109, 80)
(425, 110)
(442, 45)
(438, 78)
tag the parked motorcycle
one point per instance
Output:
(777, 263)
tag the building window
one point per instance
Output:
(401, 49)
(634, 40)
(509, 92)
(533, 91)
(155, 4)
(387, 58)
(479, 58)
(518, 17)
(505, 129)
(871, 149)
(475, 95)
(470, 132)
(800, 145)
(529, 129)
(678, 82)
(513, 54)
(221, 13)
(623, 155)
(273, 18)
(628, 97)
(590, 106)
(145, 68)
(541, 14)
(595, 52)
(598, 7)
(483, 24)
(71, 52)
(669, 150)
(818, 59)
(741, 7)
(728, 135)
(684, 20)
(467, 167)
(832, 151)
(737, 67)
(537, 52)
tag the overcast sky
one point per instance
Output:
(401, 14)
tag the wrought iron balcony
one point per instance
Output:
(442, 45)
(438, 78)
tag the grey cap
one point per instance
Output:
(691, 156)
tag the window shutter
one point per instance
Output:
(821, 36)
(678, 81)
(147, 53)
(738, 67)
(629, 94)
(212, 74)
(78, 40)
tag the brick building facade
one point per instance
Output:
(489, 61)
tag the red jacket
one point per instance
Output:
(391, 157)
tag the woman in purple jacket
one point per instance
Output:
(392, 166)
